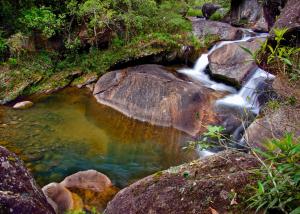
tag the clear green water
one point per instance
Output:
(69, 131)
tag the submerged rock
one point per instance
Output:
(205, 29)
(232, 63)
(23, 105)
(150, 93)
(19, 193)
(216, 182)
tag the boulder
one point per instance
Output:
(82, 190)
(290, 18)
(209, 8)
(216, 182)
(89, 179)
(19, 193)
(219, 30)
(151, 93)
(231, 63)
(23, 105)
(273, 125)
(248, 13)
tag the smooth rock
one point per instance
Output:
(23, 105)
(190, 188)
(19, 193)
(59, 197)
(232, 63)
(221, 31)
(152, 94)
(90, 180)
(91, 188)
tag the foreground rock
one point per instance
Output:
(214, 30)
(83, 190)
(150, 93)
(19, 193)
(231, 63)
(216, 182)
(273, 125)
(23, 105)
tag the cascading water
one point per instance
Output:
(246, 98)
(198, 72)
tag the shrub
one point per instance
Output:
(279, 188)
(42, 19)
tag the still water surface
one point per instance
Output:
(69, 131)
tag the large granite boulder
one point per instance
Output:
(18, 191)
(216, 182)
(231, 63)
(214, 29)
(151, 93)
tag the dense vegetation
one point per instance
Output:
(43, 42)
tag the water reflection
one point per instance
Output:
(69, 131)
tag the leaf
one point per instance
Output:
(247, 50)
(296, 211)
(261, 189)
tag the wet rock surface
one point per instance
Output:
(23, 105)
(231, 63)
(18, 191)
(151, 93)
(190, 188)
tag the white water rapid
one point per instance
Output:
(198, 72)
(246, 98)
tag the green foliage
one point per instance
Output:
(211, 138)
(3, 46)
(219, 14)
(42, 19)
(280, 187)
(285, 58)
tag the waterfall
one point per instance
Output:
(247, 97)
(198, 72)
